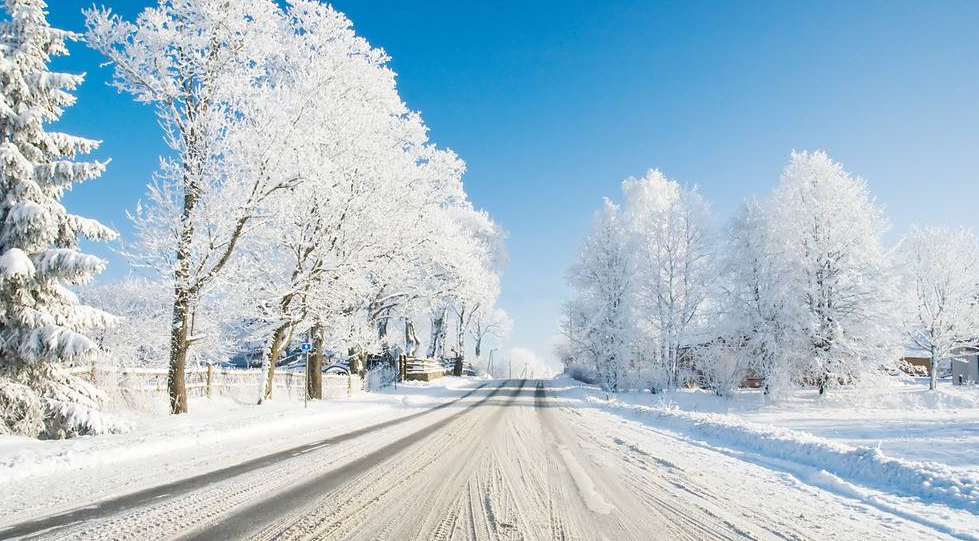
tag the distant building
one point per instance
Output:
(916, 362)
(965, 369)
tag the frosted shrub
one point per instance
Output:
(48, 402)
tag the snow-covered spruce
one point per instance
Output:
(42, 324)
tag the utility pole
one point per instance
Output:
(509, 368)
(489, 365)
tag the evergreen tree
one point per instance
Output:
(42, 324)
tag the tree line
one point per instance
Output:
(300, 199)
(799, 289)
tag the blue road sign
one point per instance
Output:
(305, 346)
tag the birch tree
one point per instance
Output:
(674, 247)
(604, 330)
(939, 270)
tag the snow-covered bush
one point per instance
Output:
(379, 377)
(722, 367)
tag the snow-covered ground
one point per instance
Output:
(39, 477)
(513, 460)
(903, 419)
(906, 421)
(900, 448)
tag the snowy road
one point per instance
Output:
(509, 461)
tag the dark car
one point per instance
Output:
(243, 361)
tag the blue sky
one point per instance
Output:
(553, 103)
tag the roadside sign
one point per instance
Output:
(305, 346)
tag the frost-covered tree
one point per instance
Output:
(481, 257)
(800, 292)
(644, 280)
(301, 190)
(939, 270)
(139, 337)
(489, 323)
(601, 323)
(833, 271)
(359, 148)
(755, 311)
(674, 245)
(209, 68)
(42, 324)
(806, 287)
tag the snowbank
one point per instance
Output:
(928, 481)
(38, 475)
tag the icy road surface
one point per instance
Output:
(508, 461)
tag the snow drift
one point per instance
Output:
(929, 481)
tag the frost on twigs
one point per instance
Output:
(796, 291)
(301, 201)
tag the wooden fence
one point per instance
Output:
(423, 369)
(208, 380)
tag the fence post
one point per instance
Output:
(210, 377)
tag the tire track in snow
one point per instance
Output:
(763, 504)
(511, 467)
(165, 497)
(243, 522)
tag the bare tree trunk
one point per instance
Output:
(411, 339)
(933, 373)
(357, 361)
(461, 333)
(180, 323)
(176, 389)
(382, 333)
(436, 345)
(314, 366)
(278, 341)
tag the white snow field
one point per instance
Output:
(42, 477)
(900, 449)
(512, 460)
